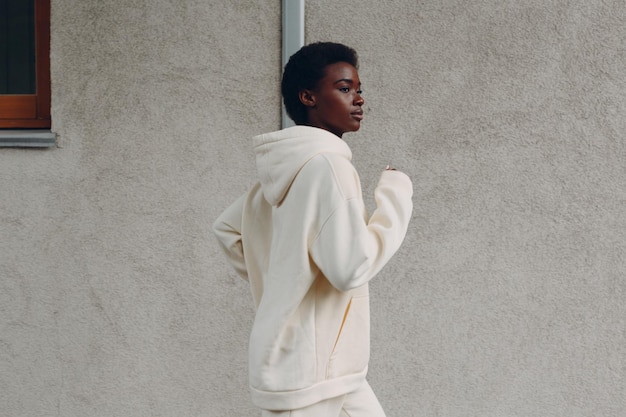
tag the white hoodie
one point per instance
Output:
(302, 238)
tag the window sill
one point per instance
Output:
(27, 139)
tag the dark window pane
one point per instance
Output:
(17, 47)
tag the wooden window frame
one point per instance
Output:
(32, 111)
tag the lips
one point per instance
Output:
(358, 115)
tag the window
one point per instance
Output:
(25, 64)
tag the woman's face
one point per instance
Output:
(336, 103)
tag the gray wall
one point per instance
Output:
(507, 299)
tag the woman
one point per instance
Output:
(303, 240)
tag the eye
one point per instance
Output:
(344, 89)
(359, 92)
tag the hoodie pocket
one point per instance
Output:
(352, 346)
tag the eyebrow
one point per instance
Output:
(347, 80)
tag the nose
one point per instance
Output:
(358, 100)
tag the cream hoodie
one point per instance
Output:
(302, 238)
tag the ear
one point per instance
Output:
(307, 97)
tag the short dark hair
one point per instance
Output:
(306, 68)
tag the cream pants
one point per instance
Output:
(360, 403)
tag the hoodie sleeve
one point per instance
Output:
(227, 228)
(350, 250)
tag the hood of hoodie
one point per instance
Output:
(280, 156)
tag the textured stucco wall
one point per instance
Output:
(507, 299)
(113, 301)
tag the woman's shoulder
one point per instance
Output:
(333, 171)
